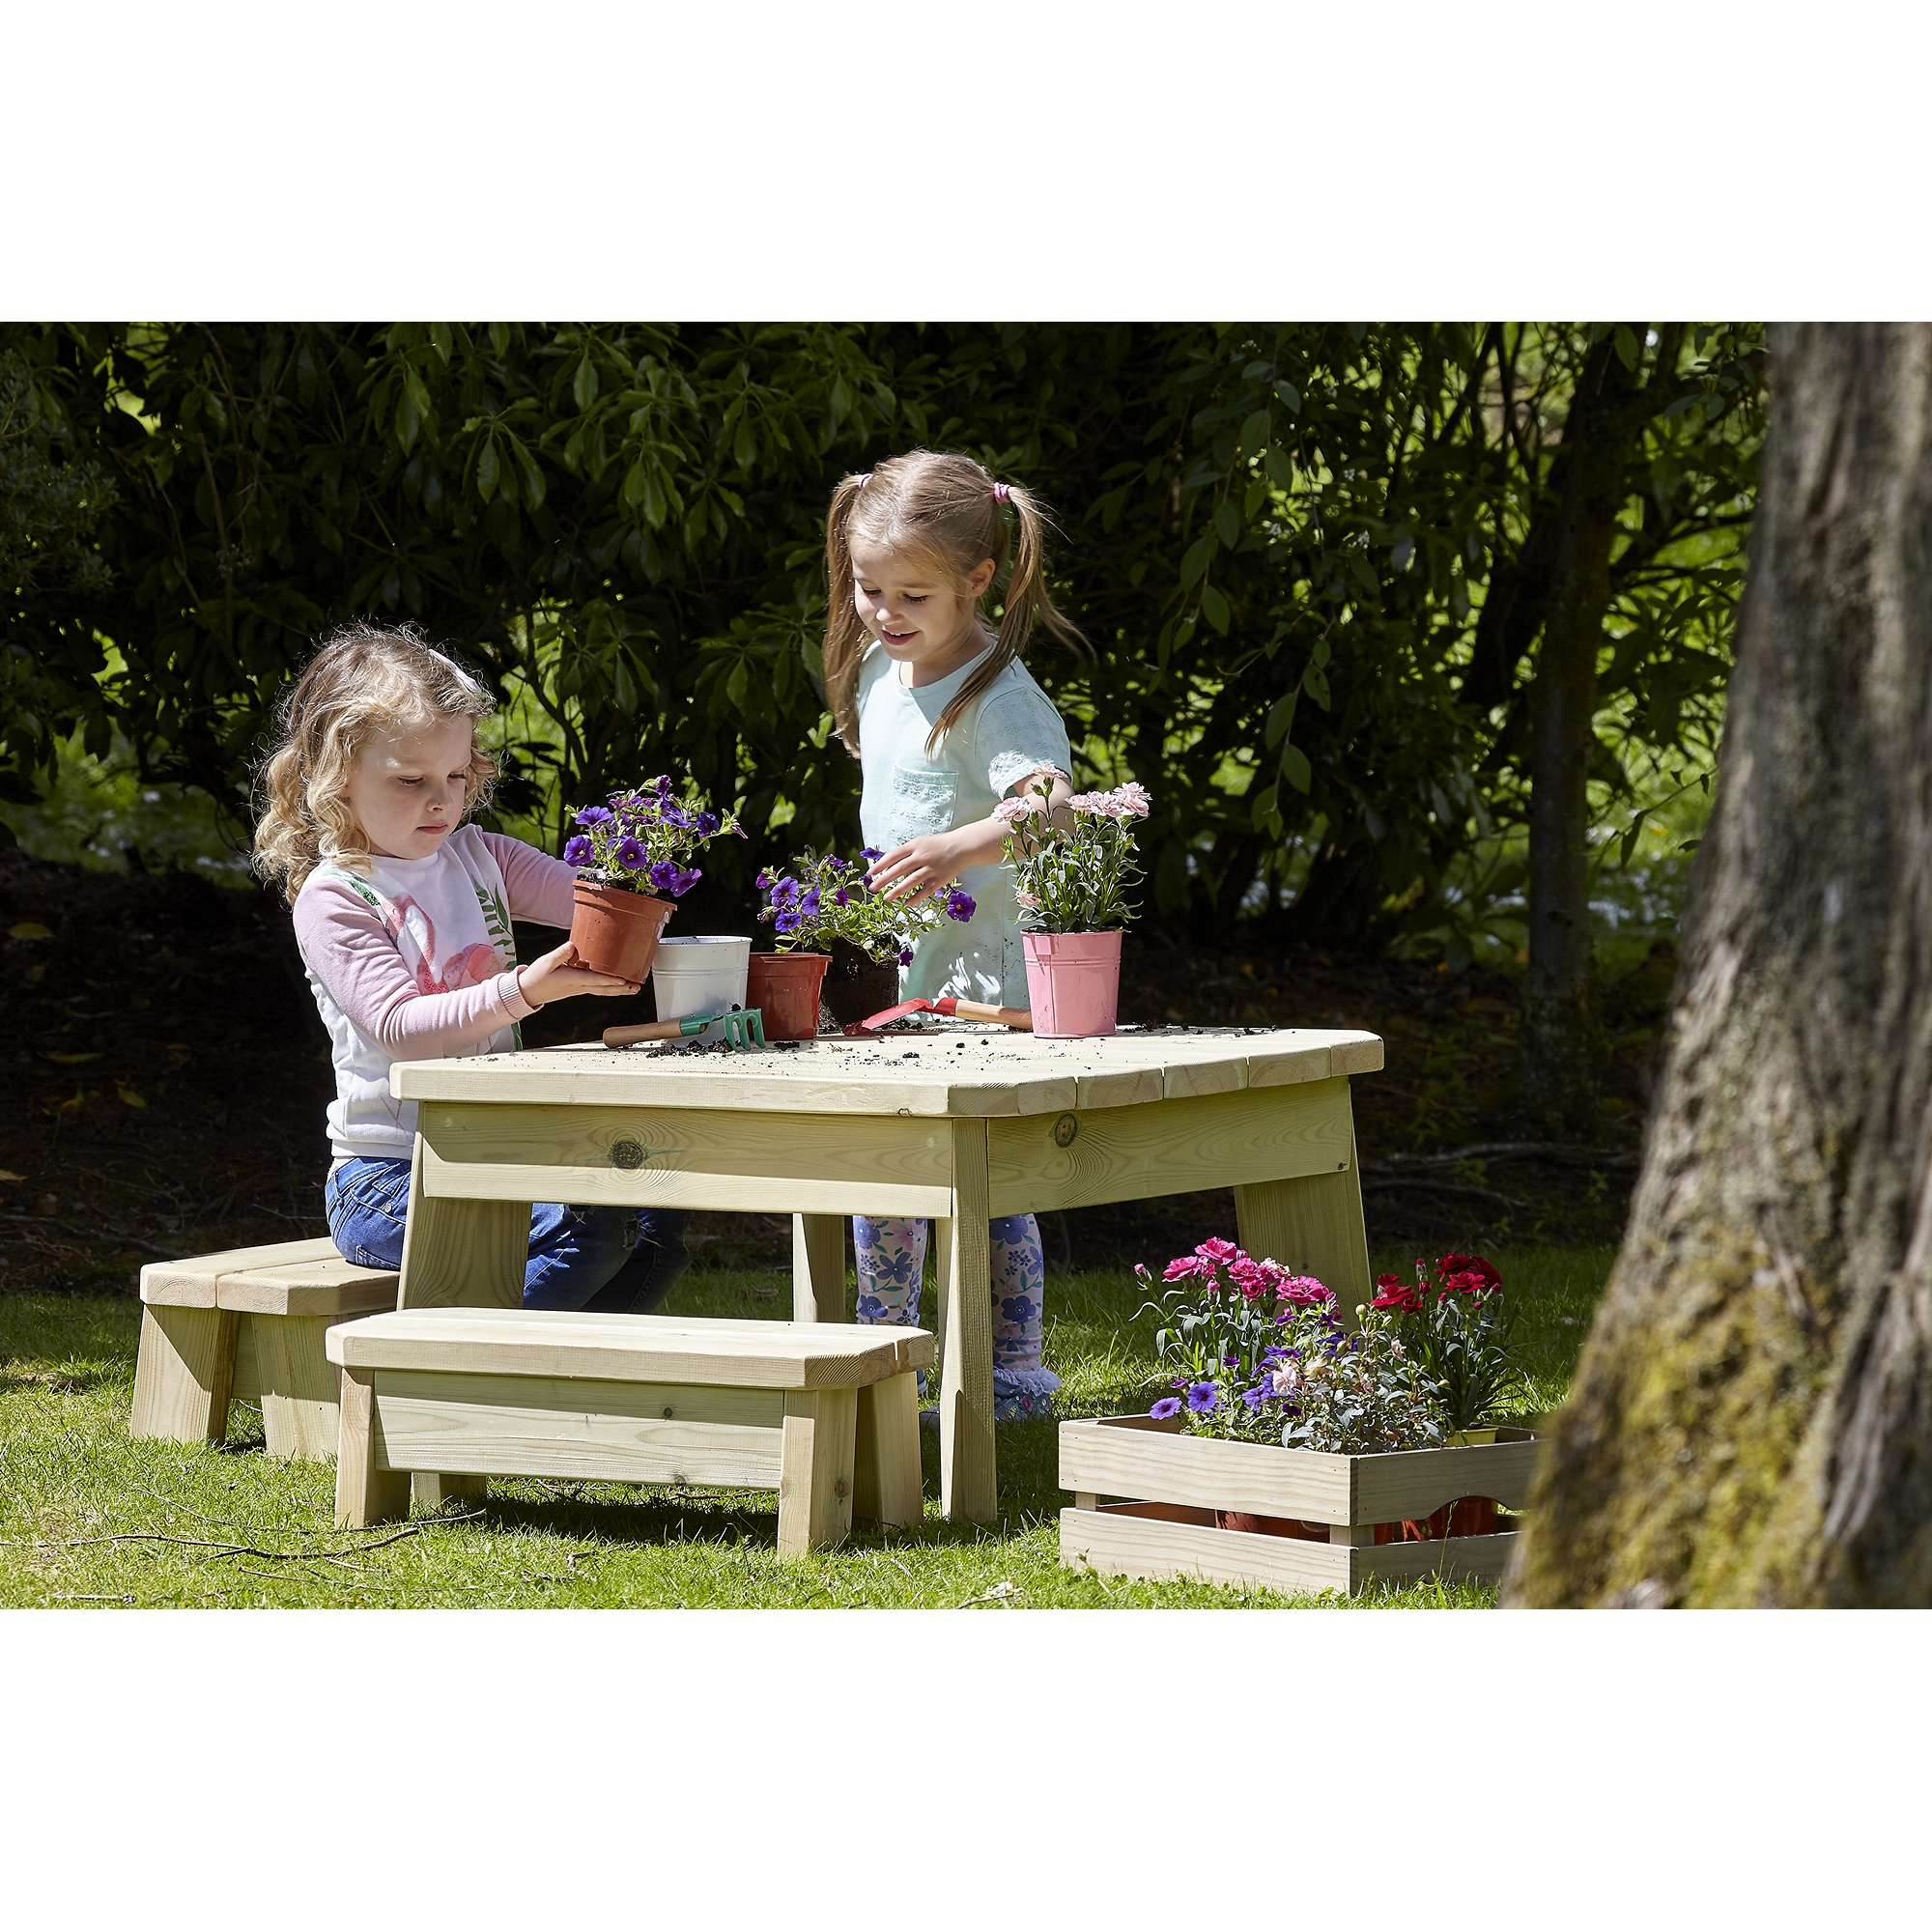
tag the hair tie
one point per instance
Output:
(1001, 493)
(865, 479)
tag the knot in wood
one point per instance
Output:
(1064, 1130)
(629, 1154)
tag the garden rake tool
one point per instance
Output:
(1016, 1017)
(744, 1026)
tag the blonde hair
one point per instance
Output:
(362, 684)
(948, 509)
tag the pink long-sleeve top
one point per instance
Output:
(413, 959)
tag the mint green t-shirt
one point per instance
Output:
(909, 792)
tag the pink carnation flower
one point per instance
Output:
(1217, 1250)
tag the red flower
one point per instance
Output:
(1466, 1274)
(1401, 1295)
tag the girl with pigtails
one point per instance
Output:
(946, 725)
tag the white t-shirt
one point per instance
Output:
(414, 960)
(1011, 727)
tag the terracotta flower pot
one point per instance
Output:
(615, 931)
(856, 986)
(1073, 982)
(784, 987)
(1271, 1525)
(1468, 1516)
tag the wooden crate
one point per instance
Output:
(1173, 1483)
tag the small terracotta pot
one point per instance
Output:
(1271, 1525)
(615, 931)
(1073, 982)
(856, 987)
(784, 987)
(1468, 1516)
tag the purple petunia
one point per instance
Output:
(632, 854)
(786, 922)
(579, 851)
(842, 897)
(1168, 1405)
(958, 905)
(905, 955)
(594, 815)
(870, 852)
(1203, 1396)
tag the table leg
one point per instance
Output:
(818, 1268)
(462, 1253)
(968, 1469)
(1312, 1224)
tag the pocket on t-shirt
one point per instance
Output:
(919, 802)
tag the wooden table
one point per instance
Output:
(959, 1125)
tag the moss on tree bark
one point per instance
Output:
(1752, 1421)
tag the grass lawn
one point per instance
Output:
(89, 1516)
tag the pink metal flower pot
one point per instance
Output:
(1073, 982)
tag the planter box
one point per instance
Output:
(1177, 1482)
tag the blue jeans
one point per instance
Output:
(579, 1257)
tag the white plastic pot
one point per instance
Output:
(702, 975)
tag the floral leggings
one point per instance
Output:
(891, 1257)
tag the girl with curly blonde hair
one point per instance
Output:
(402, 910)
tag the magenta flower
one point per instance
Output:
(1217, 1250)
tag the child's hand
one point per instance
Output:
(556, 975)
(923, 868)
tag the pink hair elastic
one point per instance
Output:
(865, 479)
(1001, 493)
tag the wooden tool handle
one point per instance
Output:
(1016, 1017)
(632, 1035)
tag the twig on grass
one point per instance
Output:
(218, 1548)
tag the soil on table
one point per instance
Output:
(170, 1072)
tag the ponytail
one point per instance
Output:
(845, 633)
(951, 508)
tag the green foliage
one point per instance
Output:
(1305, 557)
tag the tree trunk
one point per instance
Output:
(1752, 1421)
(1557, 1042)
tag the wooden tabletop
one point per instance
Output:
(936, 1071)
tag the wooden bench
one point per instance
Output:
(245, 1326)
(822, 1413)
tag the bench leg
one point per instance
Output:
(365, 1493)
(818, 1268)
(433, 1489)
(184, 1375)
(886, 1483)
(821, 1428)
(296, 1382)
